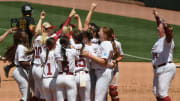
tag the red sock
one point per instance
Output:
(167, 98)
(158, 99)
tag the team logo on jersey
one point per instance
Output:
(105, 54)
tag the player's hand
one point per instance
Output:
(76, 16)
(11, 30)
(155, 12)
(93, 6)
(72, 12)
(85, 54)
(2, 58)
(43, 14)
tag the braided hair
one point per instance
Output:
(50, 42)
(64, 41)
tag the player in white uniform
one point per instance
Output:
(117, 57)
(23, 64)
(104, 70)
(82, 76)
(162, 61)
(65, 83)
(49, 70)
(39, 47)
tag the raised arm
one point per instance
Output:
(156, 17)
(67, 22)
(2, 37)
(76, 16)
(38, 27)
(169, 32)
(88, 18)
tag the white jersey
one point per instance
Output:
(50, 67)
(39, 48)
(118, 45)
(20, 55)
(95, 50)
(95, 41)
(72, 55)
(76, 46)
(83, 64)
(107, 50)
(58, 50)
(162, 52)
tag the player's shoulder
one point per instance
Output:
(21, 47)
(53, 35)
(118, 43)
(106, 44)
(38, 37)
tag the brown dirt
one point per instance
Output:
(135, 83)
(116, 8)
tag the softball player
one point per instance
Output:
(49, 70)
(23, 64)
(162, 60)
(65, 83)
(37, 71)
(104, 72)
(117, 57)
(82, 76)
(93, 49)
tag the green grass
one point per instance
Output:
(136, 35)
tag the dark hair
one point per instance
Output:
(18, 38)
(64, 41)
(50, 42)
(88, 34)
(95, 29)
(78, 38)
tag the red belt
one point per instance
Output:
(161, 64)
(67, 73)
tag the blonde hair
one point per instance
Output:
(66, 29)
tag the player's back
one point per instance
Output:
(49, 65)
(72, 55)
(20, 55)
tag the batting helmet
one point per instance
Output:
(26, 9)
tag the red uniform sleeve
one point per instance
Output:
(67, 22)
(169, 33)
(157, 20)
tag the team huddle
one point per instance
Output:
(79, 64)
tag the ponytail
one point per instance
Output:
(64, 41)
(83, 45)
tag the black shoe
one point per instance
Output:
(7, 69)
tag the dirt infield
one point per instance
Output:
(135, 83)
(116, 8)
